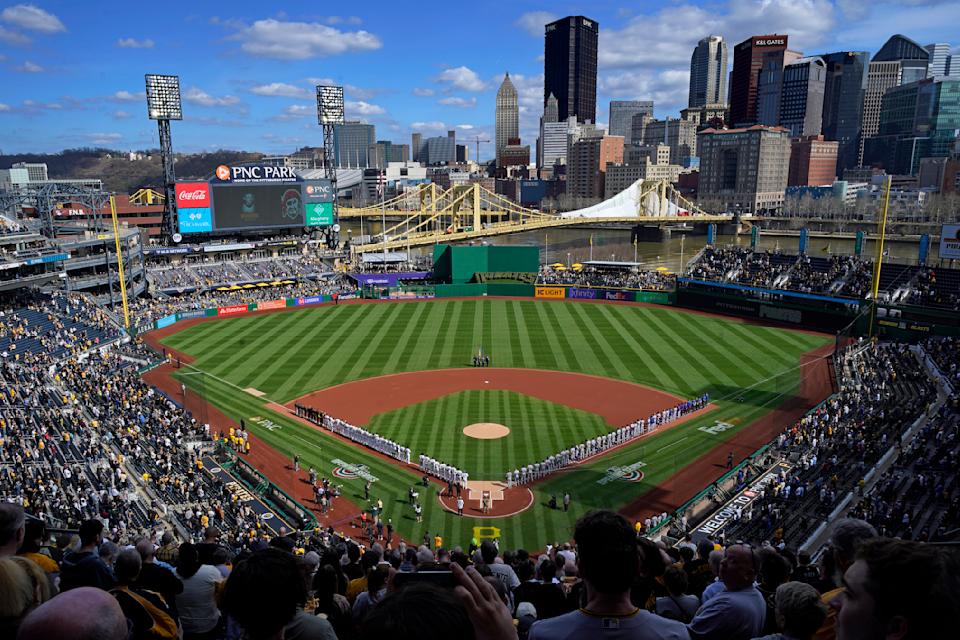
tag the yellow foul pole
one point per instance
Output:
(878, 259)
(123, 283)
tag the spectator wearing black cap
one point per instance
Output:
(84, 568)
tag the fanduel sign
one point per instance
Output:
(255, 173)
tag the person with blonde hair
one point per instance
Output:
(25, 587)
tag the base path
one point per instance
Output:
(616, 401)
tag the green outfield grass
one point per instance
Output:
(748, 371)
(537, 429)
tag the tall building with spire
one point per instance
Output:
(507, 116)
(708, 73)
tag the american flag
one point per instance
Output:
(381, 183)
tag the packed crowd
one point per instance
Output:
(818, 275)
(611, 278)
(761, 268)
(883, 391)
(716, 263)
(37, 327)
(608, 582)
(212, 273)
(600, 444)
(355, 434)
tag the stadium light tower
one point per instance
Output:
(330, 114)
(163, 105)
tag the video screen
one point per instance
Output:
(246, 206)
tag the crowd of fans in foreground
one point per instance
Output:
(609, 582)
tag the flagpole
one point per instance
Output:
(591, 247)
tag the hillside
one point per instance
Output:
(121, 175)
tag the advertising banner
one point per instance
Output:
(319, 214)
(54, 257)
(582, 294)
(195, 220)
(625, 296)
(740, 503)
(388, 279)
(163, 251)
(254, 174)
(317, 191)
(166, 321)
(950, 242)
(229, 311)
(271, 304)
(310, 300)
(553, 293)
(188, 315)
(192, 195)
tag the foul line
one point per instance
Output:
(672, 443)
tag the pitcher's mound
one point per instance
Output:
(485, 430)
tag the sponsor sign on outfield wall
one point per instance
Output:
(188, 315)
(722, 517)
(271, 304)
(166, 321)
(229, 311)
(627, 296)
(582, 294)
(553, 293)
(309, 300)
(950, 242)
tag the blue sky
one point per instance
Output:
(71, 73)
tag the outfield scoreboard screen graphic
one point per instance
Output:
(241, 198)
(950, 242)
(245, 206)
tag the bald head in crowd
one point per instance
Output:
(83, 613)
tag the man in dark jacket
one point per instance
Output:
(153, 577)
(85, 568)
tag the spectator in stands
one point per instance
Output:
(848, 534)
(35, 534)
(169, 549)
(85, 568)
(153, 577)
(698, 570)
(148, 612)
(23, 587)
(676, 605)
(504, 572)
(196, 604)
(331, 604)
(608, 562)
(774, 571)
(374, 593)
(899, 589)
(83, 613)
(799, 612)
(12, 521)
(422, 611)
(739, 611)
(715, 587)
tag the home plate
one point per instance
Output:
(476, 489)
(254, 392)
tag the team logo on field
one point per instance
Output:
(348, 471)
(628, 473)
(345, 474)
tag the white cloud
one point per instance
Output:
(281, 89)
(456, 101)
(422, 92)
(349, 90)
(133, 43)
(465, 127)
(104, 138)
(359, 107)
(32, 18)
(12, 37)
(271, 38)
(32, 106)
(341, 20)
(29, 67)
(4, 107)
(533, 22)
(433, 125)
(462, 78)
(197, 96)
(121, 114)
(126, 96)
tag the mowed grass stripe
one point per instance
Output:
(373, 349)
(527, 351)
(708, 348)
(688, 357)
(586, 354)
(757, 363)
(600, 345)
(676, 377)
(509, 351)
(412, 322)
(252, 356)
(539, 338)
(394, 328)
(559, 345)
(427, 340)
(443, 334)
(646, 366)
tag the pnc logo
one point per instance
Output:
(223, 172)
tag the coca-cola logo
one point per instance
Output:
(193, 195)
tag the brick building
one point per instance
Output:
(813, 161)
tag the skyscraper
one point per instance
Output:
(940, 60)
(843, 95)
(416, 142)
(351, 143)
(746, 169)
(801, 102)
(914, 59)
(570, 67)
(881, 76)
(770, 84)
(507, 116)
(551, 111)
(747, 62)
(621, 115)
(708, 72)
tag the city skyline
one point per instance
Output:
(248, 77)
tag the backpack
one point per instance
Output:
(163, 624)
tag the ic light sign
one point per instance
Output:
(256, 173)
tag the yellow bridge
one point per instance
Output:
(430, 214)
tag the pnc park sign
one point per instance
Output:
(254, 174)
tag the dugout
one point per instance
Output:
(464, 265)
